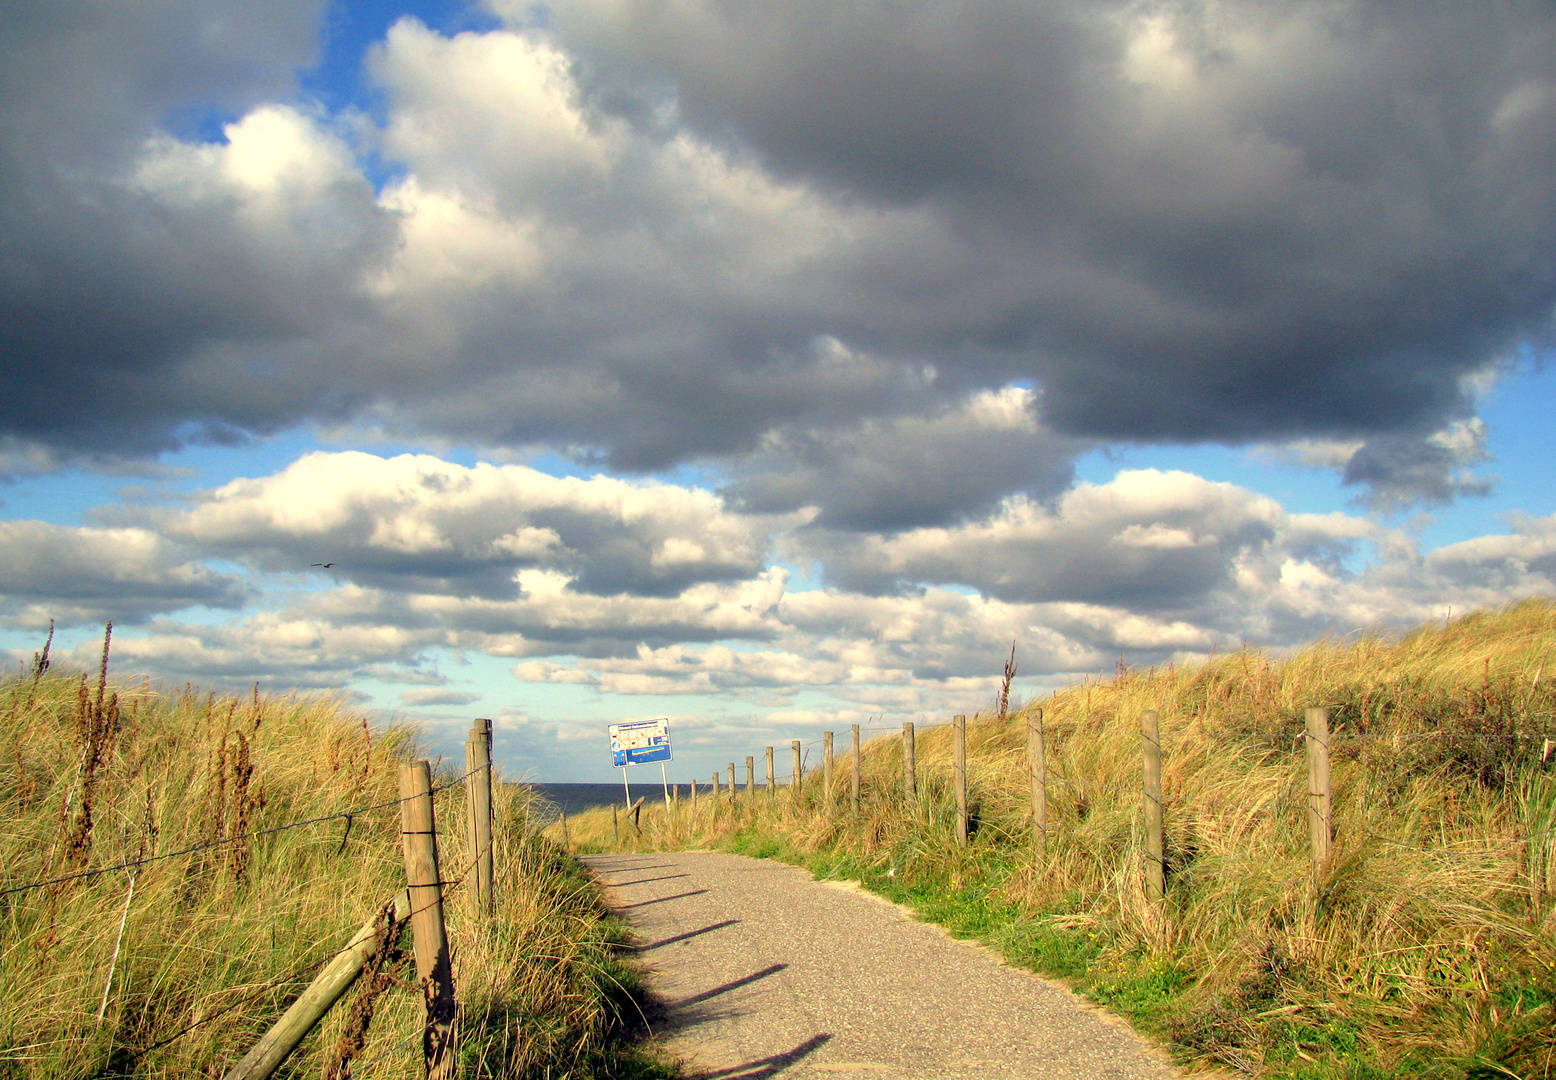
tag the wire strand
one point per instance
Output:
(209, 845)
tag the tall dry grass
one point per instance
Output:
(176, 967)
(1424, 948)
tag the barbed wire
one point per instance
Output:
(209, 845)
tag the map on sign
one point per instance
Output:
(640, 742)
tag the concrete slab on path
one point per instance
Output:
(765, 972)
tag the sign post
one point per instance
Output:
(640, 743)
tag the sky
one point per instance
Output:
(767, 367)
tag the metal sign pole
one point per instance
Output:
(665, 780)
(626, 786)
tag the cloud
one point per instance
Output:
(1147, 541)
(798, 242)
(913, 470)
(87, 575)
(415, 523)
(1152, 567)
(1208, 221)
(1406, 470)
(437, 697)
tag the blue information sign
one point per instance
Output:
(640, 742)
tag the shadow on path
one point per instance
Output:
(689, 934)
(662, 899)
(767, 1066)
(736, 984)
(645, 881)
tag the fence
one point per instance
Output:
(419, 905)
(1317, 800)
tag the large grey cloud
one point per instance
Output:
(110, 278)
(750, 233)
(1192, 219)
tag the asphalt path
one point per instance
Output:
(761, 971)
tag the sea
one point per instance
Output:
(576, 798)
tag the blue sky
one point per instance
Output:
(771, 370)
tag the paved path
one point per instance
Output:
(764, 972)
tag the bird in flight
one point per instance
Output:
(326, 565)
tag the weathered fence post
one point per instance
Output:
(770, 780)
(1319, 800)
(731, 783)
(1037, 766)
(799, 767)
(419, 835)
(478, 792)
(909, 763)
(331, 984)
(750, 775)
(718, 787)
(1151, 775)
(615, 825)
(694, 796)
(826, 766)
(854, 786)
(959, 774)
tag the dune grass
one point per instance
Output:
(1424, 948)
(175, 968)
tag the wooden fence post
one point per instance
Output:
(959, 774)
(750, 775)
(419, 835)
(615, 825)
(694, 796)
(1037, 765)
(732, 783)
(1319, 798)
(478, 795)
(909, 763)
(718, 787)
(327, 988)
(799, 767)
(1151, 775)
(770, 781)
(826, 765)
(854, 787)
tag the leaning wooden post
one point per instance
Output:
(959, 773)
(1319, 798)
(909, 763)
(853, 795)
(826, 766)
(750, 774)
(1151, 774)
(419, 836)
(1037, 767)
(770, 781)
(478, 791)
(799, 767)
(331, 984)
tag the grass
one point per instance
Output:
(200, 954)
(1426, 947)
